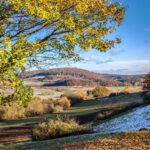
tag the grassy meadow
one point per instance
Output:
(64, 113)
(57, 91)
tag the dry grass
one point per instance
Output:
(38, 107)
(132, 89)
(138, 140)
(57, 109)
(53, 92)
(35, 107)
(126, 90)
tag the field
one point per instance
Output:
(48, 92)
(17, 134)
(56, 92)
(84, 112)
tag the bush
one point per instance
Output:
(57, 109)
(64, 102)
(125, 90)
(100, 91)
(77, 97)
(37, 107)
(11, 111)
(56, 128)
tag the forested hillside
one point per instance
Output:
(81, 77)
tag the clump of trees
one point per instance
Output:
(33, 32)
(146, 86)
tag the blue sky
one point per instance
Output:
(132, 56)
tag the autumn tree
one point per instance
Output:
(49, 30)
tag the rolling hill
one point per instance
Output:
(79, 77)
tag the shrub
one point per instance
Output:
(147, 97)
(56, 128)
(77, 97)
(11, 111)
(57, 109)
(64, 102)
(100, 91)
(125, 90)
(37, 107)
(146, 83)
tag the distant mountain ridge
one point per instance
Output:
(77, 77)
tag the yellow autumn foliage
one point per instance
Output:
(33, 31)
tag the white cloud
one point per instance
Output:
(98, 62)
(123, 67)
(91, 59)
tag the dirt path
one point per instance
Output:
(14, 134)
